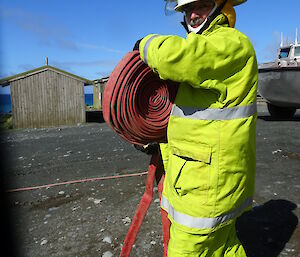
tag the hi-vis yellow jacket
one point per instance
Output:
(210, 157)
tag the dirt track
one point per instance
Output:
(92, 218)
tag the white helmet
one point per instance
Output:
(181, 3)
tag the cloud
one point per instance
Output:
(102, 63)
(26, 67)
(100, 47)
(49, 32)
(103, 74)
(44, 29)
(269, 52)
(6, 74)
(102, 68)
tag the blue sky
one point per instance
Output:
(88, 38)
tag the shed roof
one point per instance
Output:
(6, 81)
(102, 80)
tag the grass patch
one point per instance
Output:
(5, 121)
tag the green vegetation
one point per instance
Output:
(5, 121)
(91, 108)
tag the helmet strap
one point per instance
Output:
(184, 24)
(207, 21)
(212, 17)
(196, 30)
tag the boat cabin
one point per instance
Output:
(290, 53)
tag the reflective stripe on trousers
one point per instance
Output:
(202, 223)
(229, 113)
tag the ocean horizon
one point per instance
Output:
(5, 102)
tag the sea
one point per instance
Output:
(5, 102)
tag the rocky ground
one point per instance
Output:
(91, 218)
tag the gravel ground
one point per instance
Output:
(91, 218)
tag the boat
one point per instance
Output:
(279, 81)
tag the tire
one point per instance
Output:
(281, 112)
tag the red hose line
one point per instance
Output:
(141, 210)
(137, 106)
(75, 182)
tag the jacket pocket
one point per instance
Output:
(191, 171)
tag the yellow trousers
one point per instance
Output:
(220, 243)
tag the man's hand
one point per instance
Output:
(150, 149)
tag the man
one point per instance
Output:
(210, 155)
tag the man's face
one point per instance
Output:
(197, 12)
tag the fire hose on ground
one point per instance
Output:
(137, 106)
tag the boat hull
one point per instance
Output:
(280, 86)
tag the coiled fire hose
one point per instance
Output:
(137, 106)
(136, 103)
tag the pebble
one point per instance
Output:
(279, 182)
(290, 250)
(107, 239)
(107, 254)
(277, 151)
(44, 241)
(52, 209)
(97, 201)
(75, 208)
(47, 216)
(126, 221)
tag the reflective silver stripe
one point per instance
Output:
(147, 46)
(230, 113)
(202, 223)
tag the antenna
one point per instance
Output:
(281, 43)
(46, 60)
(296, 40)
(286, 41)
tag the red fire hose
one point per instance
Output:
(137, 106)
(136, 103)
